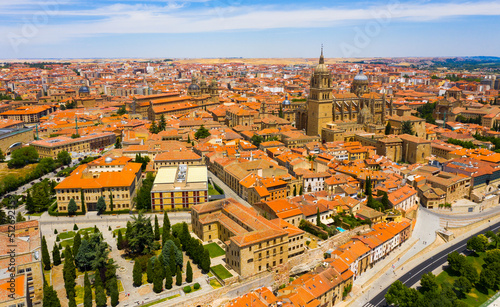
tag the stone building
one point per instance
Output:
(254, 244)
(338, 116)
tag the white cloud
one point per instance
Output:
(169, 18)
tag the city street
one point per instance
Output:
(428, 263)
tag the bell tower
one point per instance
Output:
(320, 100)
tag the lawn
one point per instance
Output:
(65, 243)
(162, 300)
(221, 271)
(66, 235)
(215, 284)
(214, 250)
(122, 230)
(475, 297)
(212, 190)
(36, 214)
(120, 286)
(18, 172)
(83, 231)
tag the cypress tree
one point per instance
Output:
(72, 301)
(172, 263)
(149, 271)
(77, 241)
(161, 270)
(100, 296)
(178, 277)
(87, 294)
(114, 292)
(30, 204)
(205, 262)
(56, 255)
(157, 280)
(137, 274)
(84, 210)
(69, 273)
(119, 241)
(50, 297)
(189, 273)
(168, 278)
(388, 128)
(166, 229)
(45, 255)
(157, 229)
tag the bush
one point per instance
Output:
(196, 286)
(313, 229)
(186, 289)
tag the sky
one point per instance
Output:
(46, 29)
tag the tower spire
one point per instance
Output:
(322, 58)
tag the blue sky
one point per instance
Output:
(242, 28)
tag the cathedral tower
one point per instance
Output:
(319, 103)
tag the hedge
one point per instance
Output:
(313, 229)
(53, 211)
(186, 289)
(124, 211)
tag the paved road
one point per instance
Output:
(227, 190)
(429, 265)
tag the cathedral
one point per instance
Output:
(336, 117)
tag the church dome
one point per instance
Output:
(194, 87)
(83, 89)
(360, 76)
(321, 68)
(286, 102)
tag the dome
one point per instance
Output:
(321, 68)
(360, 76)
(194, 87)
(84, 89)
(286, 102)
(108, 160)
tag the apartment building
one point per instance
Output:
(21, 285)
(255, 243)
(179, 187)
(106, 177)
(29, 114)
(49, 148)
(175, 158)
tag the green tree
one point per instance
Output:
(23, 156)
(137, 274)
(85, 255)
(71, 301)
(385, 201)
(428, 282)
(202, 133)
(2, 156)
(122, 110)
(69, 273)
(118, 143)
(84, 210)
(189, 272)
(50, 297)
(468, 271)
(205, 262)
(488, 278)
(456, 261)
(20, 217)
(77, 241)
(495, 238)
(407, 127)
(111, 205)
(396, 293)
(100, 296)
(477, 243)
(101, 205)
(114, 292)
(157, 229)
(153, 128)
(178, 277)
(162, 124)
(294, 190)
(168, 278)
(301, 190)
(30, 205)
(87, 292)
(141, 238)
(119, 241)
(166, 229)
(388, 128)
(45, 255)
(72, 207)
(56, 256)
(318, 218)
(150, 273)
(463, 285)
(157, 279)
(64, 158)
